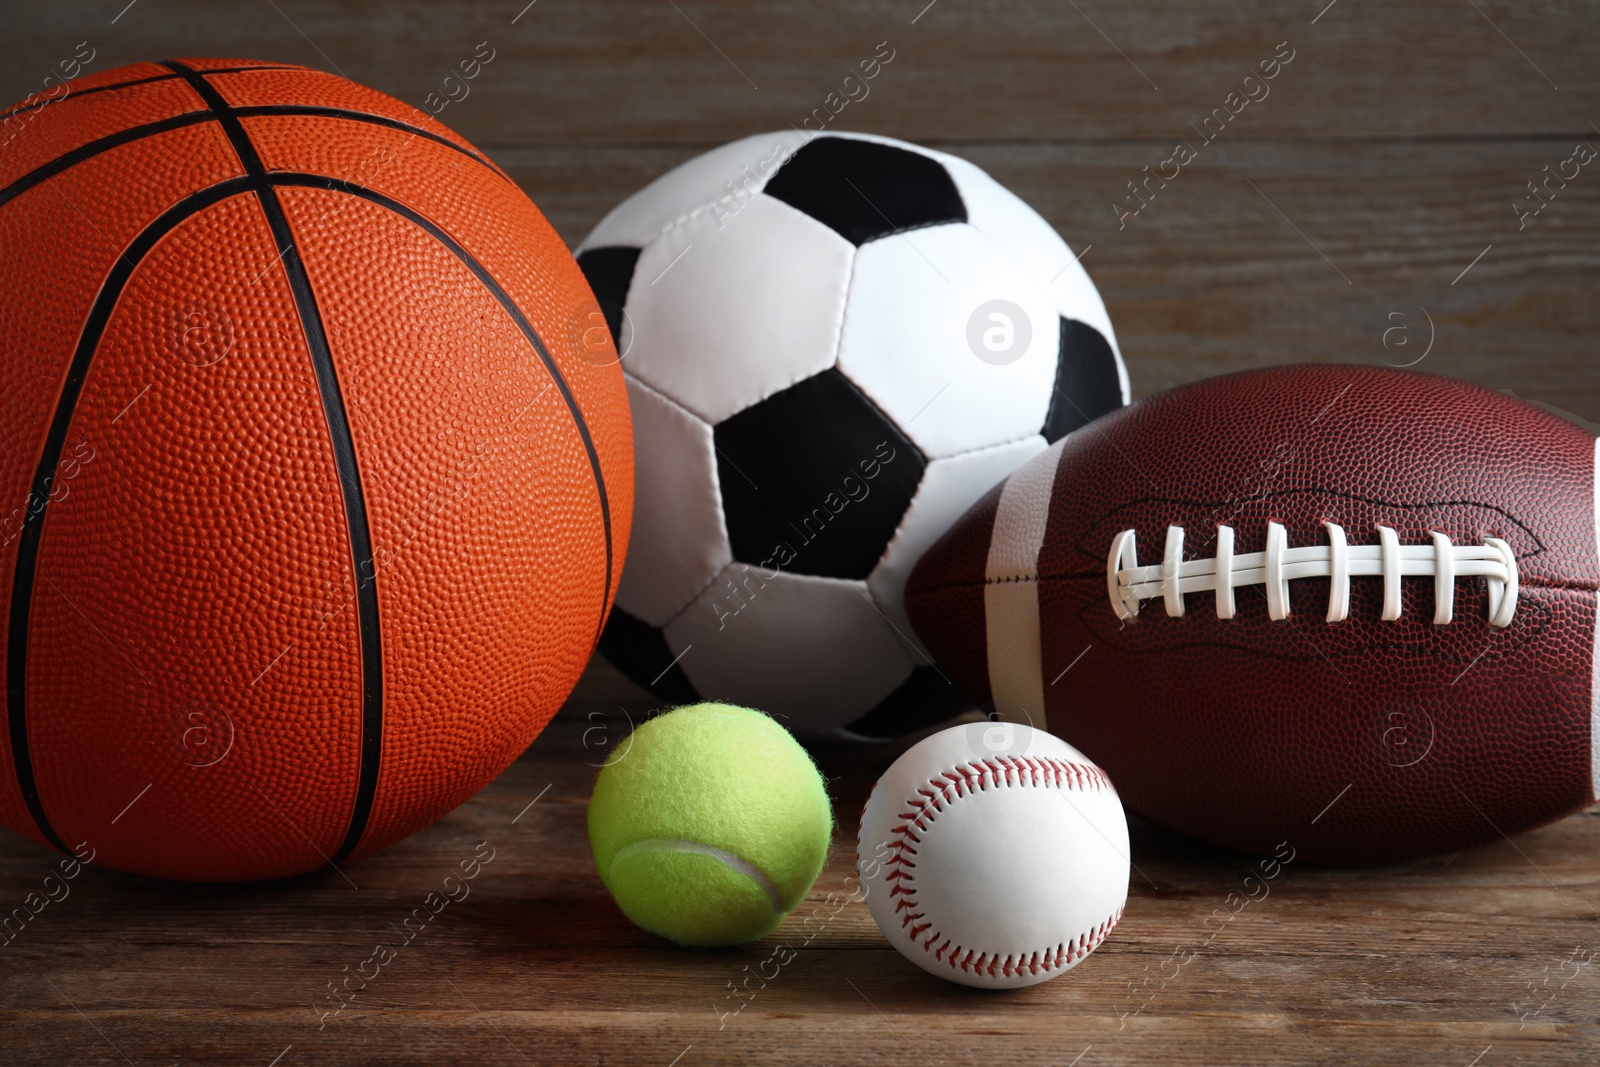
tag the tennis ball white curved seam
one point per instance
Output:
(735, 863)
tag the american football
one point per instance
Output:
(1348, 608)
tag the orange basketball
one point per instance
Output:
(316, 471)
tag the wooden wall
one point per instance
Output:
(1337, 211)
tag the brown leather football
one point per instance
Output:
(1351, 609)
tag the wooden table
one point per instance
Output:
(1434, 962)
(1365, 211)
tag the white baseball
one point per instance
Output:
(994, 855)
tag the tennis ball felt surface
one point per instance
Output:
(709, 824)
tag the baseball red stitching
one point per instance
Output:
(928, 802)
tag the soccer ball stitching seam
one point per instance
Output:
(687, 414)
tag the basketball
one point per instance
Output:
(316, 465)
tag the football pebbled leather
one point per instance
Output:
(1375, 738)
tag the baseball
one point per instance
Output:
(994, 855)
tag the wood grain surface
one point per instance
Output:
(1388, 154)
(1364, 211)
(1435, 961)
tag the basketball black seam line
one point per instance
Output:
(21, 604)
(30, 538)
(316, 111)
(136, 81)
(486, 279)
(337, 419)
(94, 148)
(358, 116)
(21, 108)
(190, 118)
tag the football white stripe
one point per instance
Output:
(1019, 522)
(1011, 590)
(1594, 653)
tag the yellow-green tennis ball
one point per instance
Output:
(709, 824)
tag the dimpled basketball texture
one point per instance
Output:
(1360, 740)
(709, 824)
(315, 488)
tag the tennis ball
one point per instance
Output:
(709, 824)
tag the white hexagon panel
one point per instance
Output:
(720, 322)
(675, 473)
(952, 338)
(949, 487)
(1034, 244)
(840, 656)
(716, 183)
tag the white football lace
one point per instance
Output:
(1128, 584)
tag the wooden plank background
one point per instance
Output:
(1362, 212)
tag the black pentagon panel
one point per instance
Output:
(640, 651)
(814, 479)
(1087, 385)
(610, 272)
(925, 699)
(865, 190)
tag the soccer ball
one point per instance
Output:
(833, 345)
